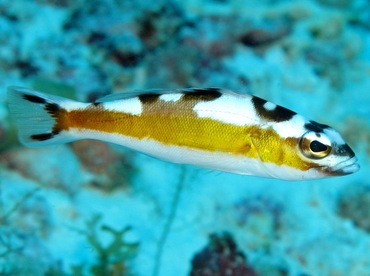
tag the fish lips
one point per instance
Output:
(345, 167)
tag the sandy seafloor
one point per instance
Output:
(89, 208)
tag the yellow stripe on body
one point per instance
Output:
(175, 123)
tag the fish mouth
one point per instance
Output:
(345, 167)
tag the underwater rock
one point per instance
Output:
(52, 167)
(57, 3)
(110, 169)
(298, 52)
(261, 216)
(221, 257)
(264, 35)
(259, 207)
(126, 59)
(357, 132)
(354, 204)
(26, 221)
(160, 24)
(26, 68)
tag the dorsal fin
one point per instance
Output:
(137, 93)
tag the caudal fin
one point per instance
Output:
(36, 115)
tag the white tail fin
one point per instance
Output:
(36, 116)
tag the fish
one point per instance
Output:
(213, 128)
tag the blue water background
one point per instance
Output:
(65, 209)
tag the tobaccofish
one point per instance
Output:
(212, 128)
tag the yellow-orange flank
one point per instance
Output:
(176, 123)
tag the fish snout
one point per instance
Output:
(345, 167)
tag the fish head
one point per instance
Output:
(326, 149)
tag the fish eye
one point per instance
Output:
(315, 145)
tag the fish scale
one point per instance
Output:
(208, 127)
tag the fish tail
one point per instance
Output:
(38, 117)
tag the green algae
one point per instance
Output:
(111, 259)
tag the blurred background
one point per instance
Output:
(90, 208)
